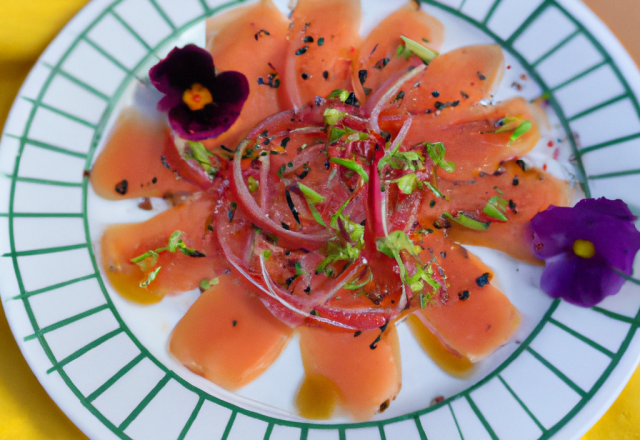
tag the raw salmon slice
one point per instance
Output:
(179, 273)
(367, 379)
(476, 326)
(228, 336)
(378, 54)
(470, 139)
(452, 82)
(528, 192)
(322, 45)
(251, 40)
(130, 166)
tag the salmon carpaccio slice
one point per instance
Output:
(469, 139)
(453, 79)
(367, 379)
(377, 54)
(529, 192)
(179, 273)
(473, 328)
(251, 40)
(228, 336)
(133, 153)
(323, 38)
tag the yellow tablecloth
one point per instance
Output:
(26, 411)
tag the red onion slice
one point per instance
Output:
(375, 113)
(259, 217)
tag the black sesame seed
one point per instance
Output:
(432, 203)
(481, 76)
(516, 181)
(305, 76)
(325, 74)
(464, 295)
(320, 41)
(302, 50)
(308, 39)
(435, 93)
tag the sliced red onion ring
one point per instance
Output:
(258, 216)
(272, 289)
(375, 113)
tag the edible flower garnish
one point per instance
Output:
(200, 104)
(588, 249)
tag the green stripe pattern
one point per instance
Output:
(135, 73)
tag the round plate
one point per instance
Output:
(104, 361)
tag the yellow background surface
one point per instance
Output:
(26, 411)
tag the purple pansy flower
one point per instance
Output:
(200, 104)
(585, 248)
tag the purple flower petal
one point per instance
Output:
(179, 71)
(608, 224)
(580, 281)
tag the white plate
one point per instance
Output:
(104, 361)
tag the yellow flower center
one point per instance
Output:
(584, 248)
(197, 97)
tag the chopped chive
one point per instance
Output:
(152, 276)
(467, 222)
(353, 166)
(424, 53)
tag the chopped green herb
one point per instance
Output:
(522, 129)
(424, 53)
(467, 222)
(436, 152)
(407, 183)
(435, 191)
(353, 166)
(252, 184)
(341, 94)
(335, 134)
(350, 286)
(206, 284)
(200, 154)
(333, 116)
(496, 207)
(152, 276)
(310, 194)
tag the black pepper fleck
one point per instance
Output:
(122, 187)
(234, 322)
(362, 76)
(483, 279)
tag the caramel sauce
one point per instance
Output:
(451, 364)
(317, 398)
